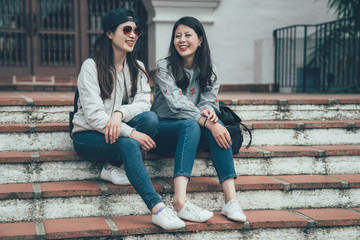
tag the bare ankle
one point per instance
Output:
(157, 207)
(179, 204)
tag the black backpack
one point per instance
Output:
(71, 114)
(232, 123)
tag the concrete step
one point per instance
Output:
(55, 136)
(300, 180)
(35, 107)
(304, 132)
(45, 166)
(32, 137)
(53, 200)
(300, 224)
(296, 109)
(46, 114)
(34, 114)
(42, 107)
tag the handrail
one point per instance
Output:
(307, 25)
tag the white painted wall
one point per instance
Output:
(239, 31)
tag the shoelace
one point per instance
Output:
(121, 170)
(116, 172)
(169, 214)
(192, 207)
(235, 206)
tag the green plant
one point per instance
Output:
(346, 8)
(350, 9)
(336, 53)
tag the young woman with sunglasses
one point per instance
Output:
(185, 100)
(113, 122)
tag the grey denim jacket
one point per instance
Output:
(171, 102)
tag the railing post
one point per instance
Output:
(304, 64)
(275, 60)
(294, 66)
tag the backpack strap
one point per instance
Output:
(246, 128)
(71, 114)
(76, 97)
(229, 117)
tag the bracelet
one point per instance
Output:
(205, 121)
(119, 112)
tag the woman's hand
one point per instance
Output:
(112, 128)
(221, 134)
(210, 115)
(145, 142)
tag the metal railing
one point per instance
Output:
(317, 58)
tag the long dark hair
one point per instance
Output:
(104, 59)
(202, 57)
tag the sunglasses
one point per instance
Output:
(128, 29)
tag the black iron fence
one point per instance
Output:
(318, 58)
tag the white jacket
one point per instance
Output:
(94, 113)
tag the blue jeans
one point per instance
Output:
(185, 138)
(91, 145)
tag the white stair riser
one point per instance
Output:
(45, 114)
(297, 112)
(318, 233)
(34, 114)
(49, 172)
(331, 136)
(265, 166)
(23, 142)
(84, 170)
(131, 204)
(261, 137)
(299, 165)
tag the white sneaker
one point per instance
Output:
(193, 213)
(115, 175)
(168, 220)
(233, 211)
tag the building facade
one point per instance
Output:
(47, 40)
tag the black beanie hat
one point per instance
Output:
(116, 17)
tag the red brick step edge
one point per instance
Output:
(197, 184)
(133, 225)
(298, 125)
(254, 152)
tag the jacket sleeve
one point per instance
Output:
(141, 101)
(208, 99)
(179, 104)
(93, 106)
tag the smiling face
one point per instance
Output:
(186, 42)
(122, 42)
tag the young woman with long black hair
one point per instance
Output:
(113, 122)
(185, 100)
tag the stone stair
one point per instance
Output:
(299, 180)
